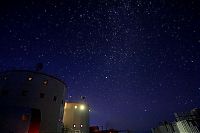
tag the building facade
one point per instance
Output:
(165, 127)
(186, 126)
(188, 122)
(34, 99)
(76, 117)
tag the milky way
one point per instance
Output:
(137, 62)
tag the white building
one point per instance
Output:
(188, 122)
(33, 98)
(164, 127)
(186, 126)
(76, 117)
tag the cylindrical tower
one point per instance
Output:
(76, 117)
(42, 94)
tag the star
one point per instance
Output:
(128, 57)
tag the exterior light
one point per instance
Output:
(45, 83)
(89, 110)
(82, 107)
(75, 107)
(74, 125)
(30, 78)
(81, 125)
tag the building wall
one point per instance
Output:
(76, 117)
(186, 122)
(12, 120)
(164, 128)
(35, 90)
(161, 130)
(185, 126)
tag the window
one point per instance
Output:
(45, 83)
(24, 92)
(4, 92)
(54, 98)
(41, 95)
(77, 131)
(24, 117)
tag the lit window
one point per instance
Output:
(45, 82)
(30, 78)
(75, 107)
(81, 125)
(54, 98)
(41, 95)
(82, 107)
(74, 125)
(24, 117)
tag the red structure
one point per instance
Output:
(35, 121)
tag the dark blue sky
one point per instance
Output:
(137, 62)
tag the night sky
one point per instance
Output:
(136, 61)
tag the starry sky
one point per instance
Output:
(136, 61)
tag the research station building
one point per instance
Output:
(31, 102)
(76, 117)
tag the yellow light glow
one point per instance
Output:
(65, 105)
(82, 107)
(75, 107)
